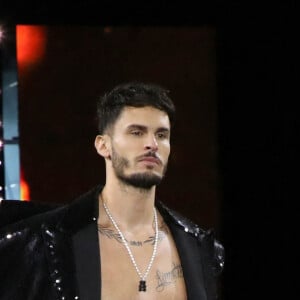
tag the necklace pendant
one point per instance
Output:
(142, 286)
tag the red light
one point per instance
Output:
(31, 40)
(24, 187)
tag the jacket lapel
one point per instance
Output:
(189, 253)
(87, 261)
(71, 243)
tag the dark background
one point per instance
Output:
(256, 128)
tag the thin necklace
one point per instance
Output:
(142, 283)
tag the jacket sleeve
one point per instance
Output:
(213, 258)
(219, 258)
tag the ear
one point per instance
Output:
(102, 145)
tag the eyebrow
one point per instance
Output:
(144, 128)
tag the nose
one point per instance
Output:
(151, 143)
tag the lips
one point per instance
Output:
(151, 159)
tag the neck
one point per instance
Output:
(132, 207)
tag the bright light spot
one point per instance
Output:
(2, 35)
(13, 84)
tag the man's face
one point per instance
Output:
(141, 146)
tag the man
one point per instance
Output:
(117, 241)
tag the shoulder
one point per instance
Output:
(210, 246)
(182, 222)
(12, 211)
(19, 215)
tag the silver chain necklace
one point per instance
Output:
(142, 283)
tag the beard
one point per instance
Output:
(145, 180)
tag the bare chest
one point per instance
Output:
(120, 280)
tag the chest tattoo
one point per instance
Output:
(112, 234)
(165, 279)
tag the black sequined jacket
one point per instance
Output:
(49, 253)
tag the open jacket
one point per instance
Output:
(49, 252)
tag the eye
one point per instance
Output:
(136, 132)
(162, 135)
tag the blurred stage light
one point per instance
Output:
(31, 44)
(2, 33)
(24, 187)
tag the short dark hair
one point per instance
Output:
(135, 94)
